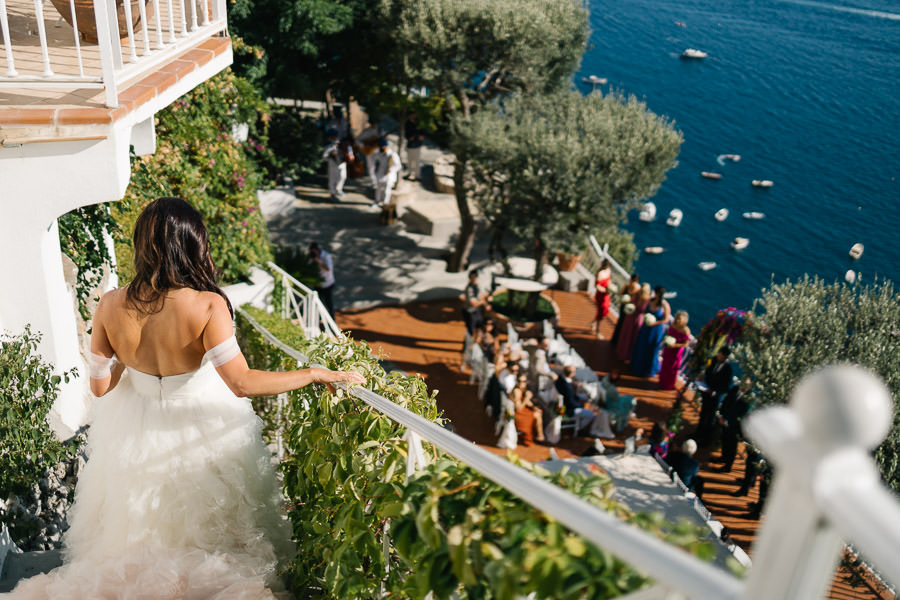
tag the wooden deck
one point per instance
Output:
(427, 338)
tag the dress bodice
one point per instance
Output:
(172, 386)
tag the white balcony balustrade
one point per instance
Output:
(96, 44)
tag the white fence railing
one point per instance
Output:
(826, 492)
(120, 41)
(302, 304)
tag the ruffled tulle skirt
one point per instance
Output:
(178, 498)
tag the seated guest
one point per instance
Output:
(659, 439)
(508, 376)
(486, 337)
(538, 363)
(575, 404)
(686, 466)
(493, 395)
(529, 420)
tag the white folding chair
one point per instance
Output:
(476, 363)
(512, 336)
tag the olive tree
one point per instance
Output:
(469, 52)
(807, 324)
(548, 167)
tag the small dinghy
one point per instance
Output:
(850, 276)
(594, 80)
(675, 217)
(856, 250)
(653, 250)
(707, 265)
(723, 157)
(670, 295)
(648, 213)
(740, 243)
(721, 214)
(693, 53)
(710, 175)
(754, 215)
(762, 183)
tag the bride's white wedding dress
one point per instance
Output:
(178, 498)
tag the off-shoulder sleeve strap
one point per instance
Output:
(99, 367)
(221, 353)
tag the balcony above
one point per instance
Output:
(57, 85)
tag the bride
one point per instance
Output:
(178, 499)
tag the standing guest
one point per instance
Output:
(645, 356)
(337, 167)
(387, 165)
(414, 140)
(717, 377)
(686, 466)
(734, 408)
(528, 416)
(673, 353)
(368, 145)
(326, 273)
(628, 295)
(475, 303)
(486, 337)
(601, 295)
(634, 320)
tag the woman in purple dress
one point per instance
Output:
(632, 323)
(674, 350)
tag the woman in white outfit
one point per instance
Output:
(178, 498)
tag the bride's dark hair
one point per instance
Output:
(171, 251)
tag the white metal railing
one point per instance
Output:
(826, 492)
(130, 41)
(303, 304)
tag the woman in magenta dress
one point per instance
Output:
(632, 324)
(673, 353)
(601, 295)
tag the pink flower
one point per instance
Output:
(244, 223)
(251, 209)
(212, 161)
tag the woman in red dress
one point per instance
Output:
(674, 352)
(601, 295)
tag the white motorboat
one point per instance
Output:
(762, 183)
(654, 250)
(721, 214)
(595, 80)
(850, 276)
(693, 53)
(648, 213)
(710, 175)
(675, 217)
(723, 157)
(707, 265)
(856, 250)
(740, 243)
(754, 215)
(670, 295)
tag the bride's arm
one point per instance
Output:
(244, 381)
(103, 369)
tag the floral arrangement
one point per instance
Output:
(626, 298)
(669, 341)
(726, 328)
(649, 320)
(612, 288)
(558, 408)
(629, 308)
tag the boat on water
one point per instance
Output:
(675, 217)
(762, 183)
(648, 213)
(856, 250)
(670, 295)
(723, 157)
(721, 214)
(754, 215)
(850, 276)
(654, 250)
(707, 265)
(693, 53)
(710, 175)
(595, 80)
(740, 243)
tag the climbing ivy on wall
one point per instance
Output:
(448, 529)
(81, 237)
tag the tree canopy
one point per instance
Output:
(546, 168)
(807, 324)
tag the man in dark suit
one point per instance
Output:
(734, 408)
(565, 385)
(718, 380)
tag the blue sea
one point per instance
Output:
(807, 93)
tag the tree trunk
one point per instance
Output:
(459, 259)
(540, 259)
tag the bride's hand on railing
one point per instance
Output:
(329, 377)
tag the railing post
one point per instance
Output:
(104, 41)
(820, 441)
(284, 296)
(415, 455)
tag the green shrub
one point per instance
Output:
(297, 142)
(198, 160)
(514, 305)
(449, 528)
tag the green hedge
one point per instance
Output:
(450, 529)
